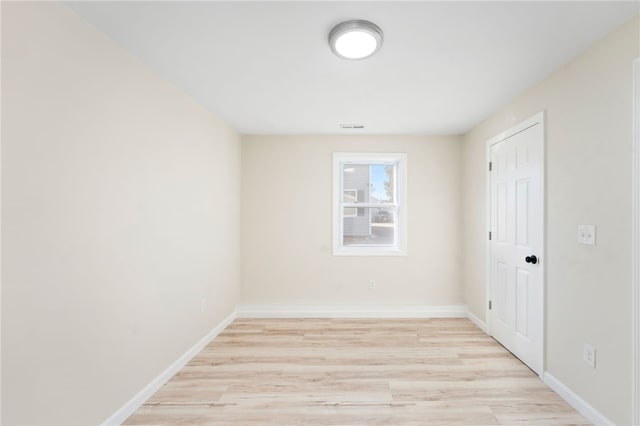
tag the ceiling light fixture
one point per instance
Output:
(355, 39)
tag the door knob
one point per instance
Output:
(531, 259)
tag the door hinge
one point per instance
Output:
(489, 304)
(490, 165)
(489, 235)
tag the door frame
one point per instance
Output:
(635, 249)
(538, 119)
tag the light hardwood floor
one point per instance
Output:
(354, 372)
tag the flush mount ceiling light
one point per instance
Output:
(355, 39)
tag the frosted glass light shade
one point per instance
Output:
(355, 39)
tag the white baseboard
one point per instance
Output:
(581, 406)
(350, 311)
(480, 324)
(141, 397)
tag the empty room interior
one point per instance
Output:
(320, 213)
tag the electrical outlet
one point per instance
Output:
(203, 305)
(372, 284)
(589, 355)
(587, 234)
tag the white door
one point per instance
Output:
(516, 218)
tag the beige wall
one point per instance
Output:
(588, 158)
(120, 205)
(287, 224)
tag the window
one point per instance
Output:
(369, 213)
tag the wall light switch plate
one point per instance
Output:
(587, 234)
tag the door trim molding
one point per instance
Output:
(539, 119)
(635, 250)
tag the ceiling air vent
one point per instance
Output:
(352, 126)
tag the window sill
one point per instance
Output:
(369, 251)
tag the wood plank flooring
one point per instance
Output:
(354, 372)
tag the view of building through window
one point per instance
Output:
(369, 209)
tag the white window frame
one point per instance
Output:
(342, 158)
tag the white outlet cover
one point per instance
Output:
(589, 355)
(587, 234)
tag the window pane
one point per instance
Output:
(368, 183)
(355, 183)
(350, 212)
(350, 195)
(382, 183)
(369, 227)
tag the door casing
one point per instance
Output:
(535, 119)
(635, 250)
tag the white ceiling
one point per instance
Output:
(266, 67)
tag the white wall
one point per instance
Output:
(120, 208)
(588, 141)
(287, 224)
